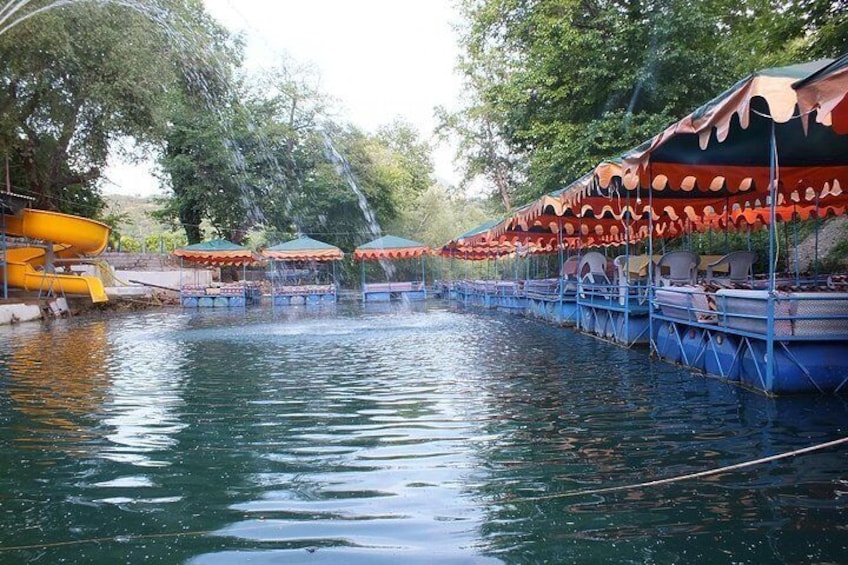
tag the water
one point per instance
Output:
(392, 435)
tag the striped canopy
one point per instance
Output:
(219, 253)
(390, 247)
(304, 249)
(723, 152)
(825, 92)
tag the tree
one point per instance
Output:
(243, 163)
(77, 76)
(555, 86)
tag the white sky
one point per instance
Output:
(381, 59)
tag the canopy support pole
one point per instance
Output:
(423, 276)
(578, 273)
(362, 278)
(625, 339)
(773, 181)
(560, 252)
(816, 254)
(181, 282)
(653, 345)
(5, 245)
(795, 244)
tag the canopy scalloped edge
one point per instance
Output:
(318, 255)
(390, 254)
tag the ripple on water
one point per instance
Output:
(335, 436)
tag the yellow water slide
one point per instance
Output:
(71, 236)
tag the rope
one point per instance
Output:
(690, 476)
(720, 470)
(116, 538)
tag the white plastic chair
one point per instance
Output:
(593, 271)
(740, 266)
(569, 273)
(682, 268)
(593, 263)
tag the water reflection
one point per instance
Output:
(356, 449)
(58, 381)
(425, 436)
(141, 414)
(566, 433)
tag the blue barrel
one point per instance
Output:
(667, 345)
(693, 340)
(825, 363)
(719, 357)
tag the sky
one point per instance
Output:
(380, 59)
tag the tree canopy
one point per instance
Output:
(76, 77)
(555, 86)
(552, 88)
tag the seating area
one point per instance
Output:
(407, 286)
(220, 295)
(389, 291)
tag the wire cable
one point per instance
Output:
(690, 476)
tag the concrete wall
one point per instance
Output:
(171, 279)
(13, 313)
(141, 261)
(151, 268)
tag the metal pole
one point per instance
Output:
(561, 258)
(423, 276)
(816, 254)
(626, 274)
(362, 283)
(652, 347)
(795, 238)
(5, 260)
(772, 260)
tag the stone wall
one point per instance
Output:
(152, 268)
(141, 261)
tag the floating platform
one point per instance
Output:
(388, 292)
(616, 312)
(304, 294)
(780, 343)
(777, 343)
(226, 296)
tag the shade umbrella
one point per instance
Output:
(303, 249)
(390, 247)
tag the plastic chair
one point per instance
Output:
(682, 268)
(569, 268)
(740, 266)
(593, 271)
(569, 273)
(621, 264)
(593, 265)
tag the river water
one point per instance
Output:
(393, 435)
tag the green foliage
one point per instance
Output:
(556, 86)
(128, 245)
(79, 75)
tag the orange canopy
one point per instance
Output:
(219, 253)
(390, 247)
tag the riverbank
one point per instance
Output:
(28, 307)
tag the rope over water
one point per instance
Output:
(698, 475)
(569, 494)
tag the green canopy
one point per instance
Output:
(390, 247)
(304, 249)
(218, 252)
